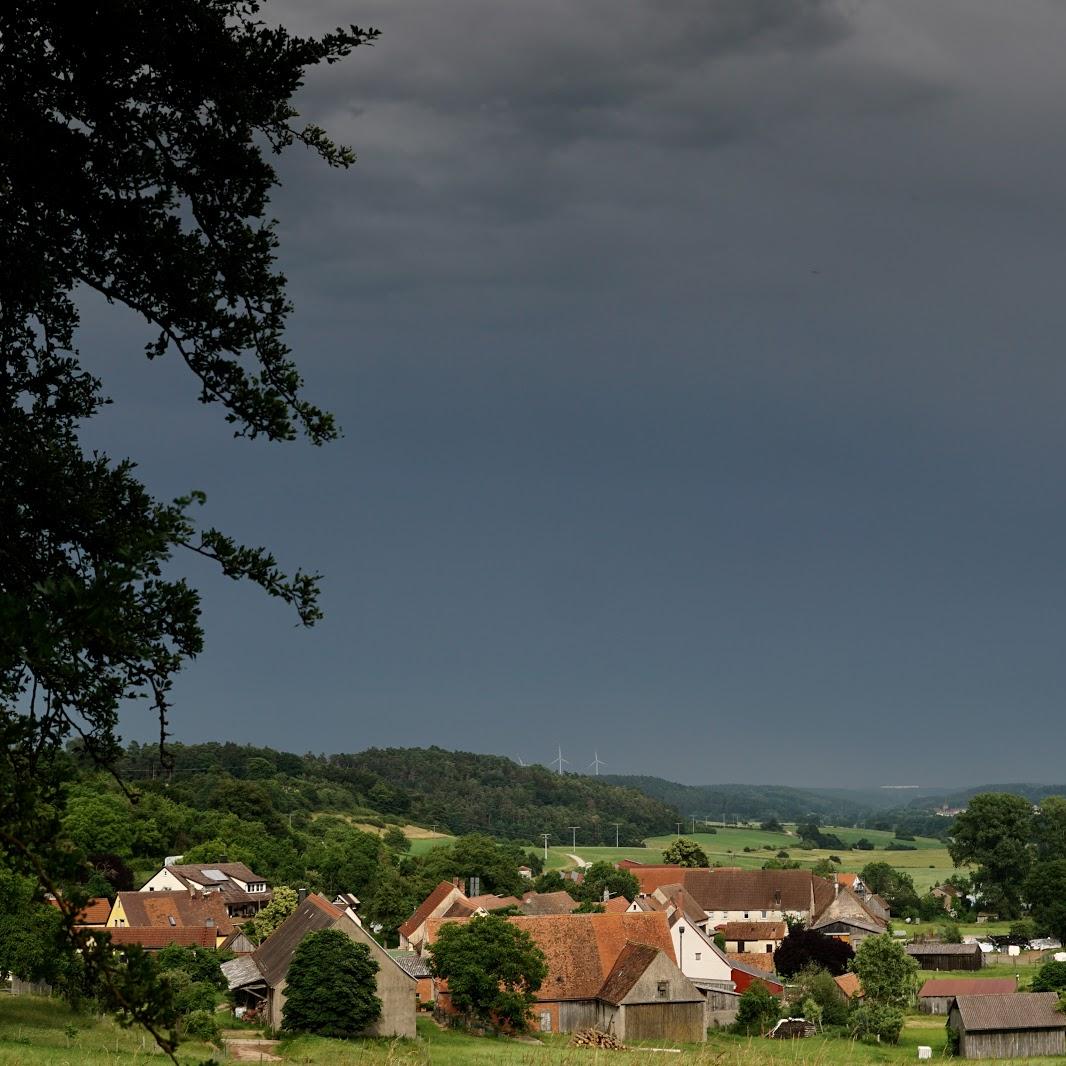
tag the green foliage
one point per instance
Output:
(1049, 829)
(550, 881)
(161, 119)
(813, 984)
(202, 1025)
(601, 876)
(472, 793)
(862, 844)
(771, 825)
(685, 852)
(493, 969)
(823, 868)
(1051, 977)
(878, 1021)
(887, 972)
(281, 905)
(993, 833)
(895, 886)
(1045, 891)
(195, 996)
(951, 933)
(395, 838)
(199, 964)
(757, 1010)
(331, 987)
(803, 948)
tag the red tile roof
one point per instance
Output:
(152, 938)
(849, 984)
(753, 930)
(427, 907)
(581, 949)
(973, 986)
(616, 905)
(185, 908)
(95, 912)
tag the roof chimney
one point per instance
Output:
(301, 895)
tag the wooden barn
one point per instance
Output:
(1018, 1026)
(934, 956)
(937, 995)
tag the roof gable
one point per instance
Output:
(628, 969)
(426, 908)
(273, 956)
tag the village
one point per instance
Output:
(687, 957)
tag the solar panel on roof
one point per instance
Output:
(215, 875)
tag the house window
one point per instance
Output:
(764, 914)
(664, 990)
(545, 1021)
(769, 949)
(746, 915)
(699, 955)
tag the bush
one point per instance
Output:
(757, 1011)
(875, 1020)
(862, 844)
(782, 854)
(1051, 977)
(202, 1025)
(813, 984)
(195, 997)
(951, 933)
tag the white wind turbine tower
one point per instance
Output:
(596, 763)
(560, 761)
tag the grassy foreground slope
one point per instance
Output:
(47, 1032)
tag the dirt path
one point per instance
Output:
(578, 860)
(252, 1050)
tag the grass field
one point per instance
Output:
(35, 1031)
(928, 864)
(32, 1033)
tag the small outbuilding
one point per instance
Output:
(937, 995)
(931, 955)
(1017, 1026)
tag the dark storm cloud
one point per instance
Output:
(700, 362)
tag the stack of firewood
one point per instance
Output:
(597, 1038)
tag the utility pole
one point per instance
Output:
(693, 824)
(616, 825)
(679, 825)
(545, 835)
(573, 829)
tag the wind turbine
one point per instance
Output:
(521, 761)
(560, 761)
(596, 763)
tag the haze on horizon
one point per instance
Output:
(701, 372)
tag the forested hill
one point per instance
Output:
(755, 802)
(470, 793)
(458, 792)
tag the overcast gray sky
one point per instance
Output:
(700, 368)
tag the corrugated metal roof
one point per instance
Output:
(931, 948)
(972, 986)
(240, 973)
(1017, 1010)
(412, 964)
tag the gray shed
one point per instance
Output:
(1018, 1025)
